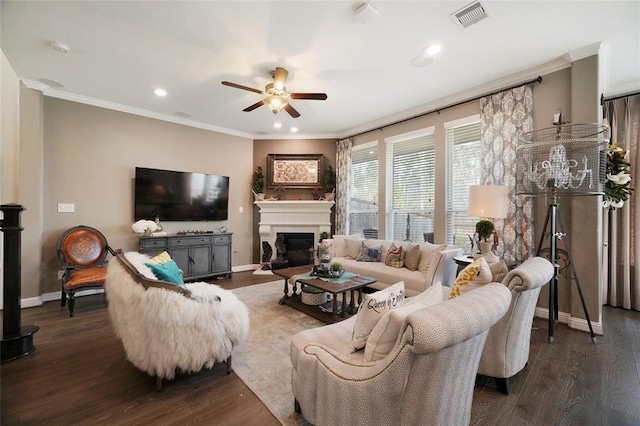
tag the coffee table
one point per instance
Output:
(353, 286)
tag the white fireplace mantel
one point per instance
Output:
(304, 216)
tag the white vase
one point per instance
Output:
(485, 250)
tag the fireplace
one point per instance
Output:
(293, 217)
(297, 245)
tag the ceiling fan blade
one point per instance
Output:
(292, 111)
(254, 106)
(239, 86)
(313, 96)
(279, 77)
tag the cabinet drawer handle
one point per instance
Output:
(191, 260)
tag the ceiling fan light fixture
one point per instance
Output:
(276, 103)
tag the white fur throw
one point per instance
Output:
(163, 331)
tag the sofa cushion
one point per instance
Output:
(475, 275)
(412, 257)
(372, 308)
(384, 335)
(370, 253)
(352, 248)
(394, 256)
(427, 255)
(339, 244)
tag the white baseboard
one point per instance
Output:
(30, 302)
(572, 322)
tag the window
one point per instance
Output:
(411, 189)
(363, 191)
(463, 170)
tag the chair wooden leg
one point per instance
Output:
(63, 298)
(502, 384)
(296, 406)
(229, 365)
(72, 303)
(158, 383)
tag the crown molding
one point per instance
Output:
(59, 94)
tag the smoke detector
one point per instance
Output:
(470, 14)
(60, 47)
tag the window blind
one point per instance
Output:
(411, 164)
(463, 170)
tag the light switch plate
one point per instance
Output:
(240, 209)
(66, 207)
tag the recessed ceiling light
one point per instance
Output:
(294, 130)
(160, 92)
(433, 50)
(277, 125)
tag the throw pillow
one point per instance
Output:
(160, 258)
(394, 256)
(167, 271)
(498, 271)
(372, 308)
(476, 274)
(384, 335)
(370, 253)
(352, 248)
(139, 261)
(412, 257)
(339, 244)
(427, 254)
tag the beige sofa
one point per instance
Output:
(427, 379)
(436, 263)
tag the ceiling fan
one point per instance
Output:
(276, 96)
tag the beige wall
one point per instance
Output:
(262, 148)
(90, 155)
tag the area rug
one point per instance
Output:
(263, 362)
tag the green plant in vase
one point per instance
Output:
(257, 183)
(329, 185)
(484, 229)
(335, 266)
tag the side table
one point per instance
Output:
(462, 262)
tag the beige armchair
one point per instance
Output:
(427, 378)
(506, 351)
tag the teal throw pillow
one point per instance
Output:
(167, 271)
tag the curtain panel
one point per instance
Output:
(503, 118)
(343, 173)
(621, 226)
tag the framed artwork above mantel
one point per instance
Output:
(295, 170)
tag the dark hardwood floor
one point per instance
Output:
(79, 375)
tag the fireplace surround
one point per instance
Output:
(298, 217)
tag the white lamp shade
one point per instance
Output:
(489, 201)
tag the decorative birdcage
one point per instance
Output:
(562, 160)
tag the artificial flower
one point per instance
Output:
(142, 226)
(617, 188)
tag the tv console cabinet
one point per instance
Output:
(199, 256)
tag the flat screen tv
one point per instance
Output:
(180, 196)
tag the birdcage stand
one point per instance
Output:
(554, 229)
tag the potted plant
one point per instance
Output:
(484, 229)
(257, 183)
(329, 183)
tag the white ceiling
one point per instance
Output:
(121, 51)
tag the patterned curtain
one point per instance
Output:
(503, 118)
(622, 225)
(343, 171)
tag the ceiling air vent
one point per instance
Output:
(470, 14)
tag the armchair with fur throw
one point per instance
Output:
(166, 328)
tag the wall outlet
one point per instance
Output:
(66, 207)
(240, 209)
